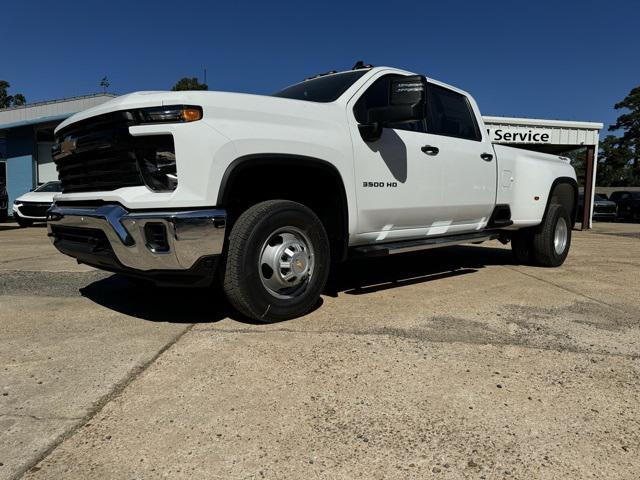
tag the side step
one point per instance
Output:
(421, 244)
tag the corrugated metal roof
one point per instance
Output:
(539, 122)
(35, 121)
(49, 111)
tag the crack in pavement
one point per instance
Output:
(35, 417)
(97, 407)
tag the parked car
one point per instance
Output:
(273, 190)
(4, 203)
(628, 204)
(603, 209)
(32, 207)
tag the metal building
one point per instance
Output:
(26, 137)
(557, 137)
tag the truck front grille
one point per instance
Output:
(32, 209)
(99, 154)
(604, 209)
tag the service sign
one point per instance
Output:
(519, 135)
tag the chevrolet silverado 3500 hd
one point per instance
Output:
(269, 191)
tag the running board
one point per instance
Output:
(421, 244)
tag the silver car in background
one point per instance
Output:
(32, 206)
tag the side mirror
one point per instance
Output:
(407, 103)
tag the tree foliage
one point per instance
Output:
(578, 162)
(619, 163)
(187, 83)
(7, 100)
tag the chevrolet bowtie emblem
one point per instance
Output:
(68, 146)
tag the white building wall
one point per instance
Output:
(559, 132)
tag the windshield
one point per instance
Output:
(322, 89)
(49, 187)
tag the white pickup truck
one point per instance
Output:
(265, 193)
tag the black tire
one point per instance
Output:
(544, 245)
(244, 275)
(537, 246)
(23, 222)
(3, 216)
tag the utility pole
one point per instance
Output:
(104, 83)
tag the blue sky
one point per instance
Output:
(562, 59)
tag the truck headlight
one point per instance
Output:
(168, 114)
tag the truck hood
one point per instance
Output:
(213, 103)
(42, 197)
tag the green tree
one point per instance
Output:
(614, 169)
(629, 124)
(578, 162)
(7, 100)
(186, 83)
(619, 163)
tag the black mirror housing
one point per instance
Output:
(370, 132)
(407, 103)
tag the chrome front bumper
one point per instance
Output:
(191, 235)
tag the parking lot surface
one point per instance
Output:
(451, 363)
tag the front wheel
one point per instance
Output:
(277, 261)
(23, 222)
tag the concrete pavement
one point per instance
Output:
(451, 363)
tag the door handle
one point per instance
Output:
(487, 157)
(430, 150)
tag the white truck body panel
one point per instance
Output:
(525, 181)
(453, 192)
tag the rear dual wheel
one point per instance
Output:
(546, 245)
(277, 261)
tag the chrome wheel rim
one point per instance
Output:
(286, 263)
(560, 236)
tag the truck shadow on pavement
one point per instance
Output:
(158, 304)
(368, 275)
(355, 277)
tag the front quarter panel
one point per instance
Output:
(291, 128)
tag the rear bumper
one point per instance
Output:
(113, 238)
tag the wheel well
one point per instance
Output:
(312, 182)
(564, 191)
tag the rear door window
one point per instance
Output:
(449, 113)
